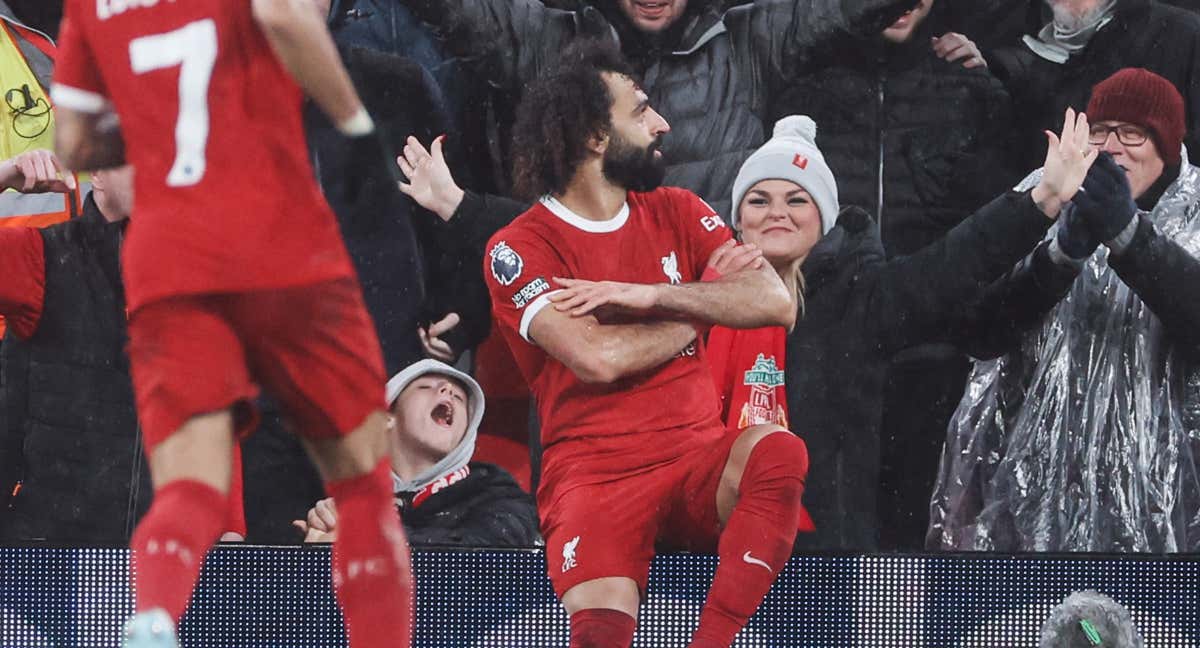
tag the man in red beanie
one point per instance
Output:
(1092, 415)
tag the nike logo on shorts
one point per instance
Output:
(746, 557)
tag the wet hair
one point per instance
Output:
(1065, 628)
(559, 112)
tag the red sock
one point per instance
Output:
(758, 538)
(371, 573)
(601, 628)
(169, 544)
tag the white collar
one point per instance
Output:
(586, 224)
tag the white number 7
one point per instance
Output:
(193, 47)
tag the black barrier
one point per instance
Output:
(280, 596)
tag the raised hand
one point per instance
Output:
(1105, 201)
(430, 182)
(1068, 159)
(36, 171)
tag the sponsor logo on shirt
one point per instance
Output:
(712, 223)
(688, 351)
(529, 292)
(506, 264)
(670, 265)
(568, 554)
(762, 407)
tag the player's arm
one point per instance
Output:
(297, 33)
(87, 140)
(605, 353)
(750, 298)
(87, 133)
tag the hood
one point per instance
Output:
(458, 457)
(643, 49)
(852, 243)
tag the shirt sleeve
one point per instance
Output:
(77, 82)
(22, 289)
(519, 271)
(704, 229)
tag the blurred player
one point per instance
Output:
(235, 276)
(635, 451)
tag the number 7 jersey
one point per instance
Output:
(225, 199)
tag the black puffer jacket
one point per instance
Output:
(934, 130)
(1143, 33)
(712, 84)
(70, 429)
(861, 309)
(487, 509)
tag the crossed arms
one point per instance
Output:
(587, 326)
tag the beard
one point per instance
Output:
(634, 169)
(1070, 18)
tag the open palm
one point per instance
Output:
(1068, 157)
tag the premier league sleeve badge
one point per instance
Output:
(506, 264)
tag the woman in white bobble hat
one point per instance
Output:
(824, 379)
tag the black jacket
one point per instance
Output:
(1157, 268)
(487, 509)
(712, 84)
(67, 399)
(1143, 33)
(462, 240)
(935, 131)
(859, 310)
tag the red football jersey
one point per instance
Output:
(747, 367)
(665, 235)
(226, 199)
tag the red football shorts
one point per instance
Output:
(609, 524)
(313, 348)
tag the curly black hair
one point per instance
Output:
(559, 112)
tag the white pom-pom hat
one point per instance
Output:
(791, 154)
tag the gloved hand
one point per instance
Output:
(1105, 202)
(1075, 238)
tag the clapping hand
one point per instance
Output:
(1068, 159)
(1105, 201)
(1074, 237)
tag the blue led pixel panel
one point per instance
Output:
(281, 596)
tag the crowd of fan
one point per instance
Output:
(1056, 408)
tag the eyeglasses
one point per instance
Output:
(1127, 134)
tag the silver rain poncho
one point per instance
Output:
(1086, 438)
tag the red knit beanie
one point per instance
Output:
(1139, 96)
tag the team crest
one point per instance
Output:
(670, 266)
(763, 406)
(506, 264)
